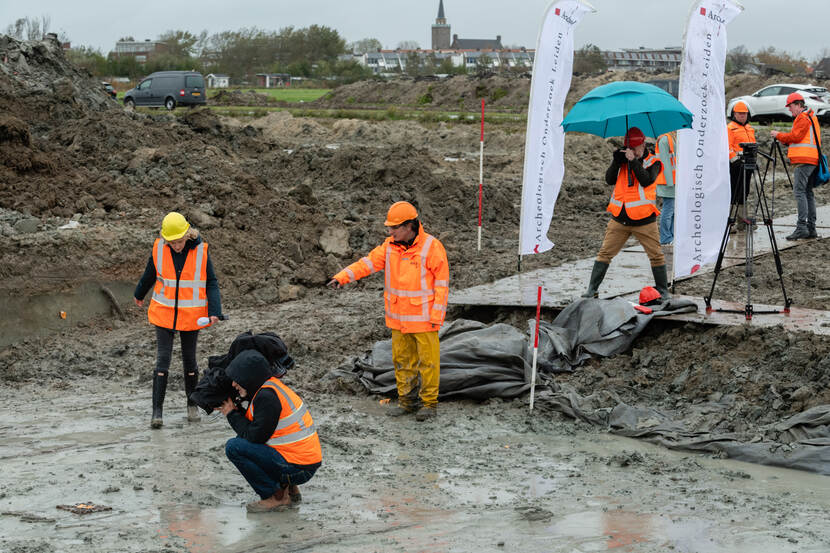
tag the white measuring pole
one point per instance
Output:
(480, 174)
(535, 346)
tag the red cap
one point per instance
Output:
(634, 137)
(793, 97)
(648, 294)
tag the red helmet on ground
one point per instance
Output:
(648, 295)
(399, 213)
(634, 137)
(793, 97)
(740, 107)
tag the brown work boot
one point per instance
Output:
(294, 493)
(427, 413)
(276, 502)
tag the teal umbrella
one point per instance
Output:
(613, 108)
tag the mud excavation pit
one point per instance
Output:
(284, 202)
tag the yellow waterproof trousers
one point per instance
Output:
(416, 354)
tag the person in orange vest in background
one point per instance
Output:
(276, 447)
(633, 208)
(415, 296)
(185, 289)
(740, 132)
(665, 185)
(805, 140)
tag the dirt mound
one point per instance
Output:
(240, 98)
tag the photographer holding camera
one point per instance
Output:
(805, 140)
(633, 207)
(740, 175)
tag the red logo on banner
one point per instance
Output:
(556, 11)
(536, 248)
(702, 11)
(695, 269)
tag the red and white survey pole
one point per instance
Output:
(535, 345)
(481, 174)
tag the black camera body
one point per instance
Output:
(750, 154)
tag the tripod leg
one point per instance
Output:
(767, 217)
(719, 263)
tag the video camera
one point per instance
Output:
(750, 154)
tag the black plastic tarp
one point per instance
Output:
(480, 362)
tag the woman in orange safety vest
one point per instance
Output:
(185, 290)
(416, 288)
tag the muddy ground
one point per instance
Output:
(284, 202)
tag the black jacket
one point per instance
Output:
(148, 279)
(645, 177)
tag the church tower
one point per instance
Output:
(440, 30)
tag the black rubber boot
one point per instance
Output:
(190, 381)
(597, 274)
(661, 281)
(159, 388)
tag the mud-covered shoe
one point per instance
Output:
(426, 413)
(294, 493)
(277, 502)
(798, 235)
(193, 413)
(155, 420)
(398, 411)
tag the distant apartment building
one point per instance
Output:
(660, 59)
(141, 51)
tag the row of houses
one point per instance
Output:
(390, 61)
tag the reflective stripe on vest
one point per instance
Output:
(644, 197)
(661, 178)
(194, 285)
(297, 416)
(424, 292)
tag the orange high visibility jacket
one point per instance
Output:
(738, 134)
(639, 201)
(178, 303)
(661, 177)
(295, 437)
(802, 140)
(417, 282)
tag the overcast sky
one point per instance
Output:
(801, 27)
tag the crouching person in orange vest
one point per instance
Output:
(415, 295)
(276, 446)
(633, 208)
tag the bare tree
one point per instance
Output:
(29, 28)
(409, 45)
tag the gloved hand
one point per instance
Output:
(619, 156)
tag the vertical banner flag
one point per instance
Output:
(544, 165)
(703, 190)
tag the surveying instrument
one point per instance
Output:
(751, 177)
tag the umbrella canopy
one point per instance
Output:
(613, 108)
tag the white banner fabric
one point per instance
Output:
(544, 165)
(703, 190)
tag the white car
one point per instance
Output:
(769, 102)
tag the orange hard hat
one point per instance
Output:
(793, 97)
(648, 294)
(740, 107)
(400, 212)
(634, 137)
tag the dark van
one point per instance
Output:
(168, 89)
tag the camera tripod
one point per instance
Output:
(751, 176)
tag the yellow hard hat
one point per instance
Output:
(400, 212)
(174, 226)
